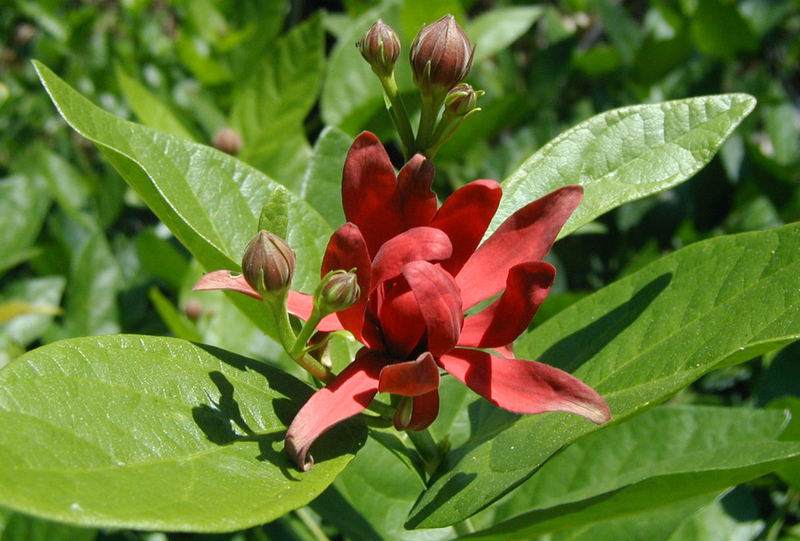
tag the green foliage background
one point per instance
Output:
(82, 255)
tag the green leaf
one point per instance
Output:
(625, 154)
(155, 433)
(24, 528)
(666, 441)
(161, 258)
(736, 516)
(149, 109)
(496, 29)
(322, 182)
(95, 279)
(209, 200)
(23, 205)
(269, 107)
(275, 214)
(637, 341)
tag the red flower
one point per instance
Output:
(420, 269)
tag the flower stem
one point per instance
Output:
(427, 448)
(290, 341)
(427, 120)
(398, 113)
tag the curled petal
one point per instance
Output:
(424, 409)
(347, 395)
(369, 191)
(417, 200)
(410, 378)
(347, 250)
(439, 303)
(524, 386)
(503, 321)
(401, 324)
(526, 235)
(464, 216)
(301, 305)
(223, 279)
(419, 243)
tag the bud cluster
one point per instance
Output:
(441, 58)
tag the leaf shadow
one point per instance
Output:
(577, 348)
(223, 424)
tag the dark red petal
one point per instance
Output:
(526, 235)
(524, 386)
(223, 279)
(347, 395)
(439, 303)
(369, 191)
(417, 200)
(347, 250)
(425, 408)
(410, 378)
(505, 319)
(424, 243)
(300, 305)
(464, 216)
(401, 322)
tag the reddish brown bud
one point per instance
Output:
(268, 263)
(441, 56)
(228, 140)
(380, 47)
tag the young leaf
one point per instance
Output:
(625, 154)
(713, 303)
(155, 433)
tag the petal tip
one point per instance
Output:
(300, 455)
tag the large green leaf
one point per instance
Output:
(637, 341)
(209, 200)
(496, 29)
(666, 441)
(155, 433)
(322, 182)
(626, 154)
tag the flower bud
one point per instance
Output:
(441, 56)
(461, 100)
(268, 263)
(228, 140)
(380, 47)
(338, 291)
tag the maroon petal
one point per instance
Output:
(223, 279)
(417, 200)
(410, 378)
(524, 386)
(301, 305)
(526, 235)
(425, 408)
(464, 216)
(369, 191)
(418, 243)
(439, 303)
(347, 250)
(347, 395)
(504, 320)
